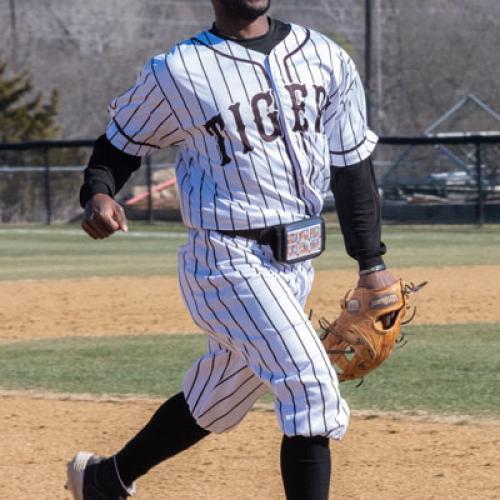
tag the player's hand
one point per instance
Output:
(377, 280)
(103, 216)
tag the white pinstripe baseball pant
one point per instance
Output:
(259, 339)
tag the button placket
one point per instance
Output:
(296, 155)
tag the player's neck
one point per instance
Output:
(241, 28)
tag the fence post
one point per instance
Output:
(480, 188)
(368, 59)
(149, 174)
(47, 187)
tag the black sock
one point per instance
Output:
(306, 467)
(171, 430)
(101, 481)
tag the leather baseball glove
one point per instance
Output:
(368, 328)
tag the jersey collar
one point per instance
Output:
(297, 37)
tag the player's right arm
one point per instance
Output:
(141, 121)
(107, 171)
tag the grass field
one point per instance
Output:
(66, 252)
(442, 370)
(453, 368)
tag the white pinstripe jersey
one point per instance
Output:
(257, 134)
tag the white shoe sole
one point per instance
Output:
(75, 471)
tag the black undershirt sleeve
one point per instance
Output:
(358, 207)
(107, 171)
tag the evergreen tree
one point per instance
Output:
(24, 116)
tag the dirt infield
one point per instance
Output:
(382, 457)
(109, 306)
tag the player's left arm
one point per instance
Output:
(358, 208)
(353, 180)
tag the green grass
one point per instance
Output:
(52, 253)
(65, 252)
(150, 365)
(451, 369)
(424, 246)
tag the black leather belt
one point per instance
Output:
(262, 236)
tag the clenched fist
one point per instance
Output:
(103, 216)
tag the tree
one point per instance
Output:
(24, 116)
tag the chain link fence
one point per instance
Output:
(447, 178)
(40, 183)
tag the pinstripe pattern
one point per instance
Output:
(258, 132)
(257, 136)
(259, 339)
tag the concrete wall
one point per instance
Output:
(433, 51)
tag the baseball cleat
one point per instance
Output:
(84, 487)
(76, 472)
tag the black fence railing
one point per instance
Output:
(453, 169)
(445, 139)
(465, 154)
(41, 150)
(31, 169)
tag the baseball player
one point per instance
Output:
(267, 117)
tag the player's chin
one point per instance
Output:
(257, 8)
(247, 9)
